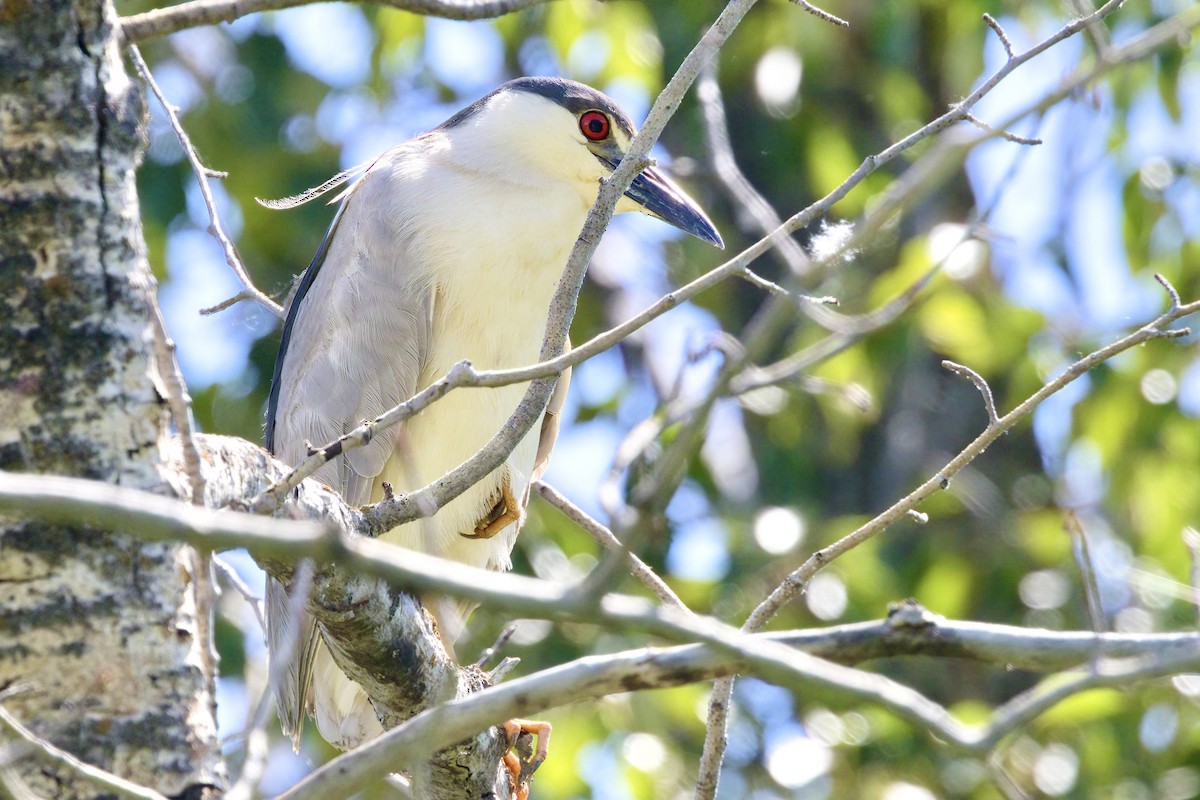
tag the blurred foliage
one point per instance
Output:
(1126, 459)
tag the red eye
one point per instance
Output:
(594, 125)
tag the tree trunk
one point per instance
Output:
(102, 632)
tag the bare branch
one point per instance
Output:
(798, 579)
(846, 331)
(647, 668)
(165, 21)
(174, 391)
(974, 377)
(1027, 706)
(919, 179)
(1007, 135)
(785, 592)
(821, 14)
(202, 172)
(908, 629)
(748, 199)
(229, 302)
(1172, 292)
(249, 595)
(1000, 34)
(495, 647)
(99, 778)
(638, 568)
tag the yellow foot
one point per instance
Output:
(521, 771)
(504, 513)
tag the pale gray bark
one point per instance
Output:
(102, 631)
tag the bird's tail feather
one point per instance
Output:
(294, 637)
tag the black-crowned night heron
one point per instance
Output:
(449, 247)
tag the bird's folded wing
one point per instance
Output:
(356, 335)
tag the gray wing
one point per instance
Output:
(356, 335)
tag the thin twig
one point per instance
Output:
(786, 591)
(1007, 135)
(227, 303)
(605, 537)
(165, 21)
(1171, 291)
(795, 582)
(241, 587)
(1000, 34)
(218, 232)
(743, 193)
(495, 647)
(821, 14)
(171, 384)
(989, 403)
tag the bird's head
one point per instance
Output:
(534, 130)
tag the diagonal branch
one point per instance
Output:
(165, 21)
(202, 173)
(101, 779)
(595, 677)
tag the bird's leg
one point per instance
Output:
(504, 513)
(519, 770)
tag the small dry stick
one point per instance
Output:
(173, 387)
(174, 390)
(497, 646)
(821, 14)
(1009, 135)
(202, 173)
(1000, 34)
(989, 402)
(1171, 291)
(242, 588)
(608, 540)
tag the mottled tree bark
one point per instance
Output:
(101, 631)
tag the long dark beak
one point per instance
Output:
(659, 195)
